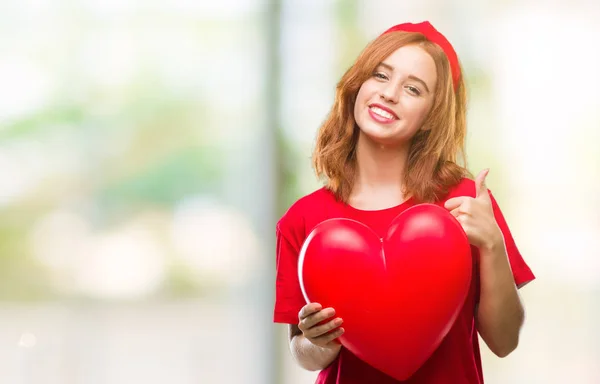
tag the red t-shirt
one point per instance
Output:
(456, 360)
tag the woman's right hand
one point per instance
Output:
(312, 322)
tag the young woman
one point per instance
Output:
(394, 139)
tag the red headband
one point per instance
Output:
(436, 37)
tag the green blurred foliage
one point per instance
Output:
(160, 159)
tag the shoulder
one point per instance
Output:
(316, 198)
(307, 204)
(305, 211)
(466, 187)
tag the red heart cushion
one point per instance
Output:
(398, 296)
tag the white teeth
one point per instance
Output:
(382, 113)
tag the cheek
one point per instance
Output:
(360, 102)
(366, 92)
(419, 113)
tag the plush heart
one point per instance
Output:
(398, 296)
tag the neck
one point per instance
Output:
(380, 172)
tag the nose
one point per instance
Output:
(391, 92)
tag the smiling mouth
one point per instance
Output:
(381, 115)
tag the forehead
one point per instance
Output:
(413, 60)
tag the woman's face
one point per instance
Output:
(393, 103)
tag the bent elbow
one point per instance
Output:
(506, 348)
(312, 368)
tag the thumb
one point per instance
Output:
(480, 187)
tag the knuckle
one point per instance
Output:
(318, 330)
(302, 313)
(306, 310)
(302, 325)
(333, 334)
(318, 317)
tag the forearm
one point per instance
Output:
(500, 312)
(310, 356)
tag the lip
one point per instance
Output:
(380, 119)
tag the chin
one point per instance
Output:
(398, 133)
(382, 140)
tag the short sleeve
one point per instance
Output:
(288, 295)
(521, 271)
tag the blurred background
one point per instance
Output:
(147, 149)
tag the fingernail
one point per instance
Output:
(338, 321)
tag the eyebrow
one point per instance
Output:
(412, 77)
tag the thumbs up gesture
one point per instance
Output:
(476, 215)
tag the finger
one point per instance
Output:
(320, 330)
(455, 202)
(456, 212)
(317, 318)
(480, 186)
(308, 310)
(328, 337)
(462, 219)
(334, 335)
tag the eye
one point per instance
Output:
(381, 76)
(413, 90)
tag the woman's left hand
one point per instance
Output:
(476, 216)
